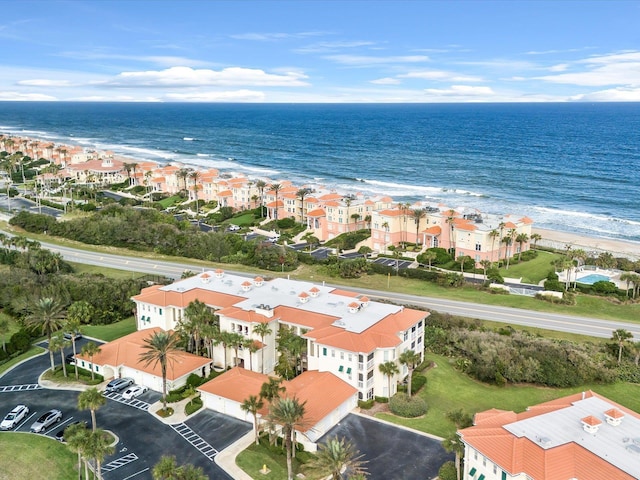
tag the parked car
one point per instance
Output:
(14, 417)
(46, 420)
(67, 336)
(118, 384)
(133, 391)
(233, 228)
(60, 434)
(70, 359)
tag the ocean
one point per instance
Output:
(571, 167)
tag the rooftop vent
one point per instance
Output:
(591, 424)
(303, 297)
(314, 291)
(258, 281)
(614, 417)
(205, 278)
(219, 273)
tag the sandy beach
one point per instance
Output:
(619, 248)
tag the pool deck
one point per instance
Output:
(585, 271)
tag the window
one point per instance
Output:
(481, 477)
(341, 369)
(349, 371)
(495, 470)
(341, 355)
(472, 472)
(478, 247)
(350, 357)
(324, 351)
(504, 475)
(333, 353)
(160, 311)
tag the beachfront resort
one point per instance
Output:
(325, 213)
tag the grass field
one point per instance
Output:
(80, 268)
(255, 457)
(112, 331)
(24, 455)
(32, 352)
(532, 271)
(447, 389)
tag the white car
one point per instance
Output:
(233, 228)
(133, 391)
(46, 420)
(14, 417)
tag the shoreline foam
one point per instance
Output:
(560, 240)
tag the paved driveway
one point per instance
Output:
(392, 453)
(143, 439)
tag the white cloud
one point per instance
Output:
(561, 67)
(235, 96)
(386, 81)
(461, 91)
(30, 97)
(603, 70)
(188, 77)
(160, 60)
(620, 94)
(43, 82)
(441, 75)
(368, 60)
(324, 47)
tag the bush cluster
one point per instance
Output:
(409, 407)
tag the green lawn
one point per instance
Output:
(32, 352)
(532, 271)
(170, 201)
(255, 457)
(447, 390)
(80, 268)
(23, 455)
(112, 331)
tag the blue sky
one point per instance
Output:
(320, 51)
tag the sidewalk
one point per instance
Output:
(226, 459)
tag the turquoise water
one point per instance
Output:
(593, 278)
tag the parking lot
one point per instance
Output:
(143, 439)
(391, 262)
(392, 453)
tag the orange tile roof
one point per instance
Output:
(318, 212)
(518, 454)
(321, 392)
(126, 351)
(154, 295)
(435, 230)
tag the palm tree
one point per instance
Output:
(411, 360)
(275, 188)
(389, 369)
(77, 437)
(485, 264)
(58, 342)
(196, 316)
(429, 256)
(98, 447)
(77, 312)
(536, 237)
(48, 314)
(418, 214)
(236, 339)
(621, 337)
(271, 389)
(161, 348)
(627, 277)
(260, 185)
(91, 399)
(4, 329)
(165, 469)
(302, 194)
(451, 220)
(288, 413)
(508, 241)
(262, 329)
(521, 238)
(462, 259)
(183, 174)
(454, 444)
(90, 349)
(251, 345)
(195, 176)
(336, 456)
(252, 405)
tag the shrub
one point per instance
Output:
(381, 399)
(193, 406)
(417, 382)
(286, 223)
(448, 471)
(408, 407)
(20, 342)
(194, 380)
(366, 404)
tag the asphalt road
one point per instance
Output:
(515, 316)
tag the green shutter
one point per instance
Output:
(481, 477)
(472, 472)
(349, 370)
(341, 369)
(324, 351)
(504, 475)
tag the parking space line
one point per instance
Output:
(19, 388)
(134, 402)
(136, 474)
(119, 462)
(195, 440)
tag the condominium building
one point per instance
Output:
(584, 436)
(346, 333)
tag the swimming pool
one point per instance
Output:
(593, 278)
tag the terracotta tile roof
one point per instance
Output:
(323, 392)
(526, 220)
(559, 461)
(318, 212)
(330, 196)
(225, 193)
(510, 225)
(249, 316)
(435, 230)
(154, 295)
(126, 351)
